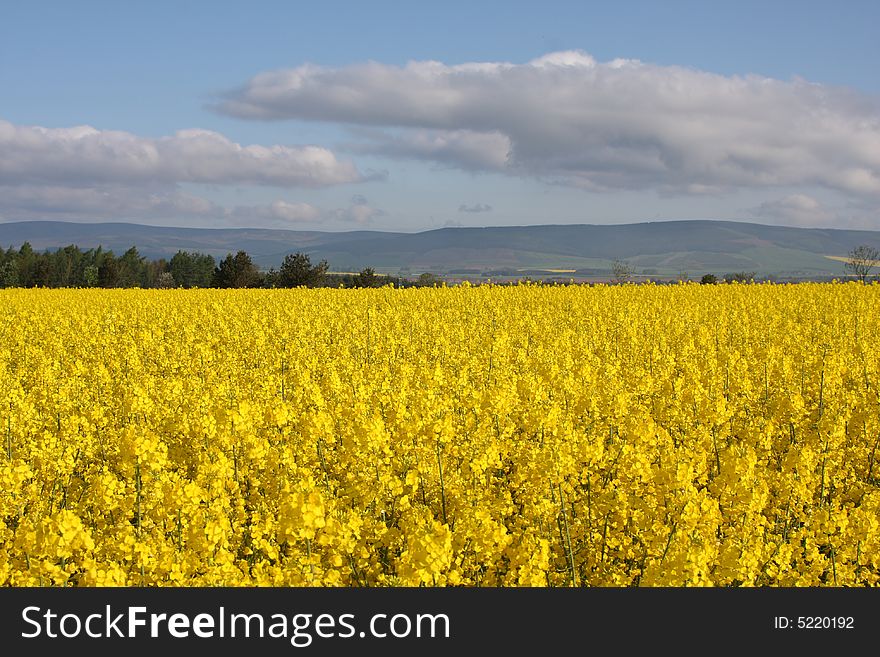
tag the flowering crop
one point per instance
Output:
(481, 436)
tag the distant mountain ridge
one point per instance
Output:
(653, 248)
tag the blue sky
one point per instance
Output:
(750, 110)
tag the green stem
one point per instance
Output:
(715, 445)
(668, 541)
(442, 486)
(570, 553)
(871, 462)
(833, 565)
(137, 475)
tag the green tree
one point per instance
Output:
(91, 276)
(132, 269)
(709, 279)
(26, 259)
(9, 273)
(368, 278)
(192, 269)
(65, 266)
(154, 270)
(236, 272)
(427, 279)
(297, 270)
(41, 272)
(108, 270)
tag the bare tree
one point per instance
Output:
(165, 280)
(621, 271)
(861, 260)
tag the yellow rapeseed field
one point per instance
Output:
(481, 436)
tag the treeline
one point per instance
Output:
(73, 267)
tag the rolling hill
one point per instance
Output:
(665, 248)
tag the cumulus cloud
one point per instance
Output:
(82, 173)
(476, 207)
(36, 202)
(83, 155)
(568, 118)
(797, 209)
(60, 202)
(281, 212)
(359, 213)
(466, 149)
(806, 211)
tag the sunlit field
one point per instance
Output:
(627, 435)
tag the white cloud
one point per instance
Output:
(466, 149)
(31, 202)
(565, 117)
(281, 212)
(358, 213)
(84, 174)
(35, 202)
(83, 155)
(797, 209)
(808, 212)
